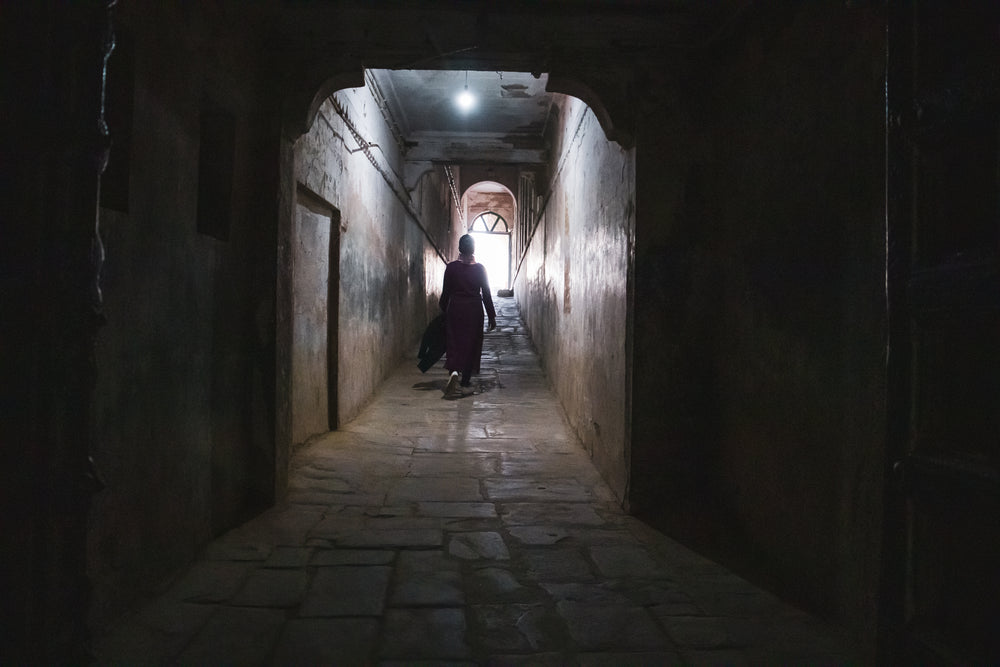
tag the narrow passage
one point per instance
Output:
(471, 530)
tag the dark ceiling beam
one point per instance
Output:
(592, 49)
(475, 152)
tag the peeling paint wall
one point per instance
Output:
(501, 203)
(572, 284)
(386, 262)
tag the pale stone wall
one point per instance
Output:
(572, 285)
(386, 262)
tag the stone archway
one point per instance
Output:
(489, 208)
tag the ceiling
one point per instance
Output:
(419, 52)
(506, 123)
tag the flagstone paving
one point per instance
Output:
(460, 531)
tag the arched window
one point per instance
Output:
(493, 247)
(489, 222)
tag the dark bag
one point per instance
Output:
(433, 344)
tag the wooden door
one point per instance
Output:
(942, 552)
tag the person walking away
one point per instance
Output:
(465, 292)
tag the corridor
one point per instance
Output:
(471, 530)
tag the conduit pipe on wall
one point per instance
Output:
(399, 192)
(454, 188)
(383, 106)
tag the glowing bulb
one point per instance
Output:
(465, 100)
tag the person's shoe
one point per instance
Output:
(452, 385)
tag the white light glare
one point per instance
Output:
(465, 100)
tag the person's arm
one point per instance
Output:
(491, 312)
(445, 291)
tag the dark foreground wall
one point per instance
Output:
(572, 284)
(50, 313)
(759, 398)
(184, 417)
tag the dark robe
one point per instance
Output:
(466, 290)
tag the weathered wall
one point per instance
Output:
(435, 209)
(183, 420)
(572, 284)
(505, 175)
(385, 258)
(501, 203)
(759, 309)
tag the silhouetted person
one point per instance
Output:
(466, 290)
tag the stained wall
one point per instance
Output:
(387, 259)
(572, 284)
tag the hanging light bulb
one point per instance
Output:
(465, 100)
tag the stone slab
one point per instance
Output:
(454, 463)
(558, 514)
(323, 557)
(273, 588)
(538, 535)
(428, 589)
(518, 627)
(392, 538)
(234, 636)
(478, 545)
(457, 509)
(160, 629)
(557, 564)
(424, 633)
(423, 489)
(639, 659)
(496, 584)
(624, 560)
(611, 626)
(426, 578)
(537, 490)
(327, 641)
(347, 591)
(289, 557)
(212, 581)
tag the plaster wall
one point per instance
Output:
(436, 208)
(572, 284)
(183, 411)
(505, 175)
(758, 420)
(386, 263)
(501, 203)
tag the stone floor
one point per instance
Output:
(466, 530)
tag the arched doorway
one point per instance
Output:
(487, 206)
(492, 236)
